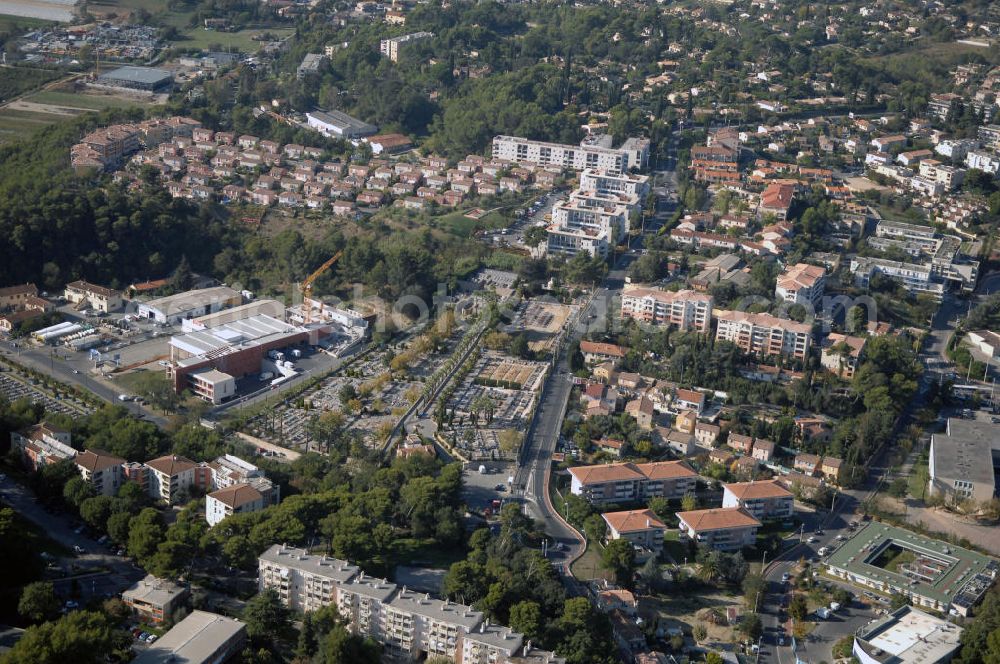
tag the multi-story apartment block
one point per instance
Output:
(102, 470)
(303, 581)
(416, 626)
(575, 157)
(168, 475)
(801, 284)
(641, 528)
(914, 277)
(686, 309)
(394, 47)
(42, 444)
(762, 500)
(948, 176)
(763, 334)
(410, 626)
(725, 529)
(629, 482)
(234, 499)
(604, 182)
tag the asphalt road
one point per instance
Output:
(534, 469)
(121, 573)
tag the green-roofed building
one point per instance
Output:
(932, 573)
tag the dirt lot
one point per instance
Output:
(684, 611)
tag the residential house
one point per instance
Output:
(830, 467)
(690, 400)
(807, 463)
(740, 442)
(706, 434)
(841, 354)
(594, 352)
(642, 410)
(763, 450)
(686, 421)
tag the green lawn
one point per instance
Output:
(83, 101)
(10, 23)
(458, 224)
(17, 124)
(673, 548)
(424, 553)
(241, 41)
(589, 565)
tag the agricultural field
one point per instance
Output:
(242, 40)
(41, 109)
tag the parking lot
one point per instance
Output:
(12, 389)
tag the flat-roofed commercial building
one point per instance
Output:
(685, 309)
(341, 125)
(201, 638)
(131, 77)
(915, 277)
(762, 500)
(763, 334)
(238, 349)
(630, 482)
(725, 529)
(964, 460)
(907, 636)
(173, 309)
(930, 573)
(155, 600)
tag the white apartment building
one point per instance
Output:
(763, 334)
(628, 482)
(394, 47)
(303, 581)
(572, 241)
(725, 529)
(410, 626)
(762, 500)
(984, 161)
(574, 157)
(614, 183)
(949, 176)
(915, 277)
(168, 475)
(235, 499)
(685, 309)
(801, 284)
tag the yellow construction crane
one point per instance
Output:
(307, 286)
